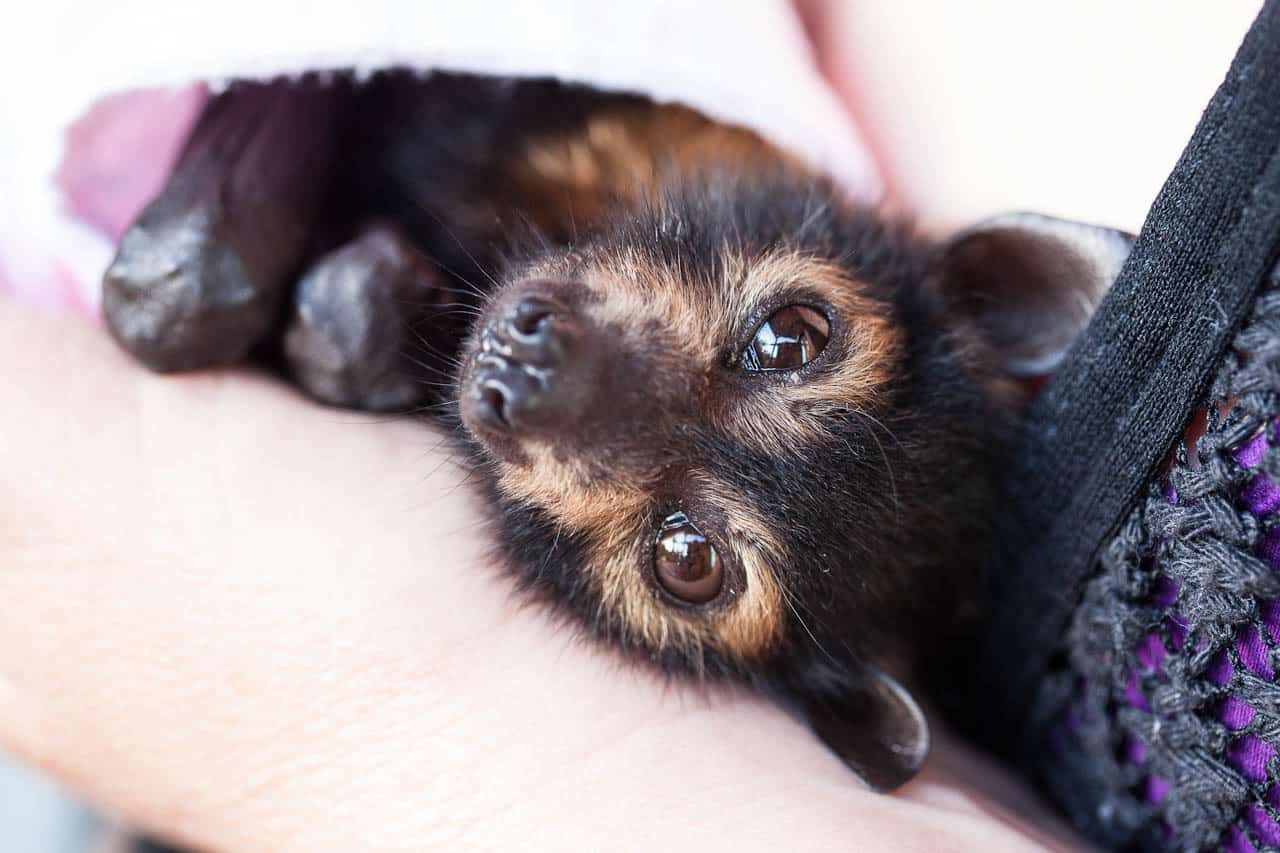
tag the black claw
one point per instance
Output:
(354, 318)
(200, 277)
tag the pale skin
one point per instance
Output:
(252, 623)
(261, 624)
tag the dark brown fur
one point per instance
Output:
(853, 503)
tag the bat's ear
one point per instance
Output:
(1029, 283)
(877, 729)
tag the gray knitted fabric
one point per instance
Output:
(1161, 718)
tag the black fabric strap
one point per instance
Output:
(1129, 385)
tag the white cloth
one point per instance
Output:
(742, 61)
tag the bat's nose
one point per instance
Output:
(533, 373)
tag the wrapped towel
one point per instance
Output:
(95, 99)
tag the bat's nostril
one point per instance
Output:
(532, 315)
(535, 330)
(491, 405)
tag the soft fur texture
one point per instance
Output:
(846, 499)
(853, 496)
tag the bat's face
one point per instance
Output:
(686, 424)
(743, 435)
(706, 415)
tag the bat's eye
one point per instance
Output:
(686, 564)
(790, 338)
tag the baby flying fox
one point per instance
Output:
(731, 422)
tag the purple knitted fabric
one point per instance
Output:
(1163, 714)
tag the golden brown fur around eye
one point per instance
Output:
(615, 526)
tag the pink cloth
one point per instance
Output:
(87, 141)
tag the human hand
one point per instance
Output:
(245, 621)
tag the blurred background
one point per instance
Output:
(1073, 109)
